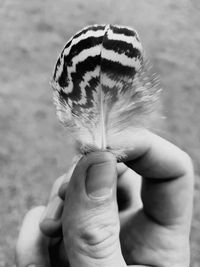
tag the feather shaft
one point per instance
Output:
(102, 124)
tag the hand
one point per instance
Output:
(155, 235)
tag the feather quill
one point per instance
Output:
(102, 88)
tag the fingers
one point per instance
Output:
(121, 169)
(155, 157)
(32, 245)
(58, 183)
(62, 190)
(90, 218)
(167, 189)
(129, 194)
(50, 223)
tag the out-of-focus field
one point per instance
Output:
(34, 147)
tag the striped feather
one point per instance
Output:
(102, 90)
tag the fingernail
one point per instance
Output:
(53, 210)
(101, 178)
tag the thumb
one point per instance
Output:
(90, 218)
(101, 178)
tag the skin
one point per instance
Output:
(150, 229)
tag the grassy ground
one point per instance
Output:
(34, 148)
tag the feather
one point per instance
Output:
(102, 89)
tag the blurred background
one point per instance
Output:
(34, 147)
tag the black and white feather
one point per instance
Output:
(102, 90)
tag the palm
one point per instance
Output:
(146, 238)
(146, 242)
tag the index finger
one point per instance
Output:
(151, 156)
(167, 191)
